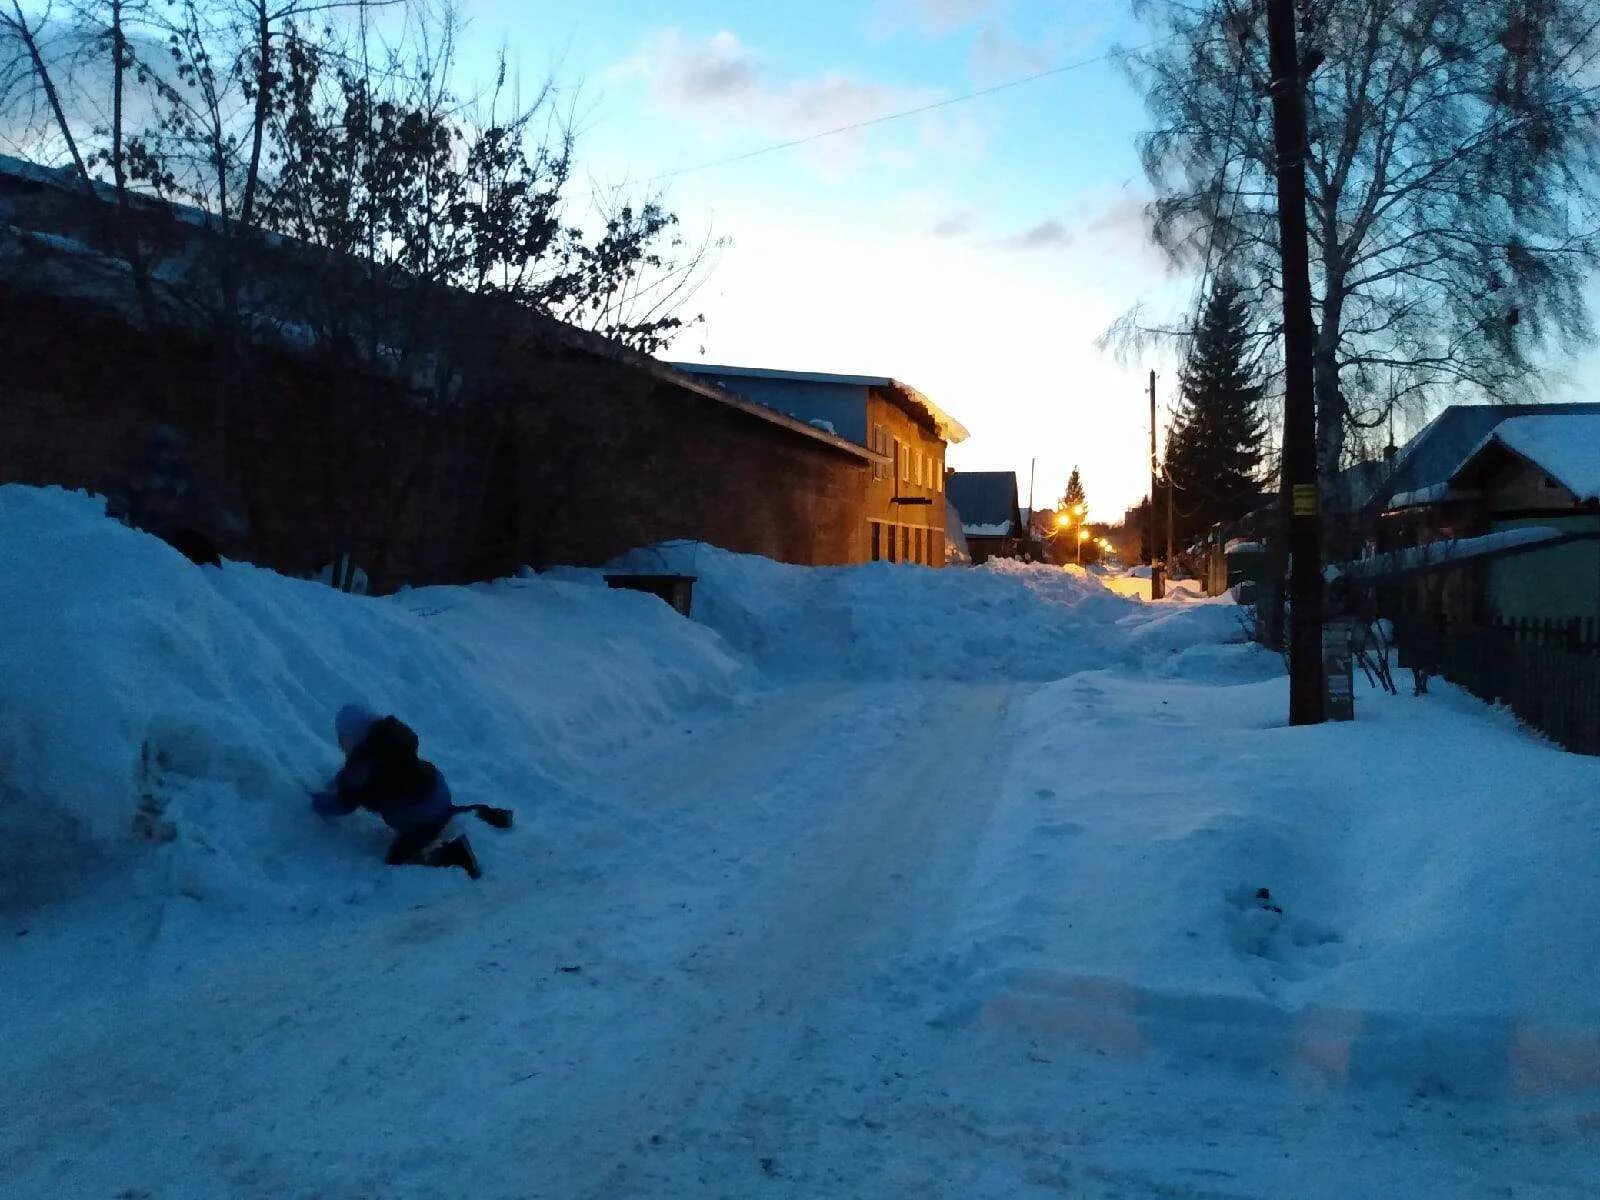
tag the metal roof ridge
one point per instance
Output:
(950, 429)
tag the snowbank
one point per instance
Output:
(1003, 620)
(156, 713)
(159, 713)
(1429, 913)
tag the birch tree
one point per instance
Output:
(1451, 179)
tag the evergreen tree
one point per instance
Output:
(1215, 449)
(1074, 494)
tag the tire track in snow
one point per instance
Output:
(863, 873)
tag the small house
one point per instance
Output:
(991, 517)
(1538, 473)
(1501, 503)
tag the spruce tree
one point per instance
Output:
(1074, 494)
(1215, 449)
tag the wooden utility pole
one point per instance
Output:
(1157, 584)
(1301, 521)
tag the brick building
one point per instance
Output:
(907, 434)
(584, 449)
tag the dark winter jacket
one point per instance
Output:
(384, 775)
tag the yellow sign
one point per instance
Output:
(1305, 500)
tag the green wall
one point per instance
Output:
(1561, 582)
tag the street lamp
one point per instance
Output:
(1083, 536)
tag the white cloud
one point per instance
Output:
(956, 224)
(935, 17)
(1046, 235)
(995, 55)
(731, 90)
(1119, 226)
(720, 70)
(945, 15)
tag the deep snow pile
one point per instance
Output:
(1429, 887)
(1004, 620)
(156, 713)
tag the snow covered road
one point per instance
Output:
(874, 882)
(802, 844)
(764, 1017)
(757, 1008)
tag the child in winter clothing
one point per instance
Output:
(383, 774)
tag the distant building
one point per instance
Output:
(904, 431)
(991, 517)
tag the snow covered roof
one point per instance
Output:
(950, 429)
(1449, 552)
(1423, 469)
(987, 502)
(1565, 446)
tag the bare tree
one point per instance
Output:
(1451, 178)
(31, 55)
(333, 187)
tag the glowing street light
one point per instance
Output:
(1063, 519)
(1083, 536)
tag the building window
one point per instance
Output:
(905, 542)
(877, 539)
(919, 554)
(893, 544)
(903, 453)
(880, 445)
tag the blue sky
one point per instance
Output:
(975, 252)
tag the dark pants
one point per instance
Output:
(409, 844)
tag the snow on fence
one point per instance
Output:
(1547, 672)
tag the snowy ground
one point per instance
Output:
(878, 882)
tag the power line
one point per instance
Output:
(932, 106)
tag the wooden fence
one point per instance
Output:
(1546, 672)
